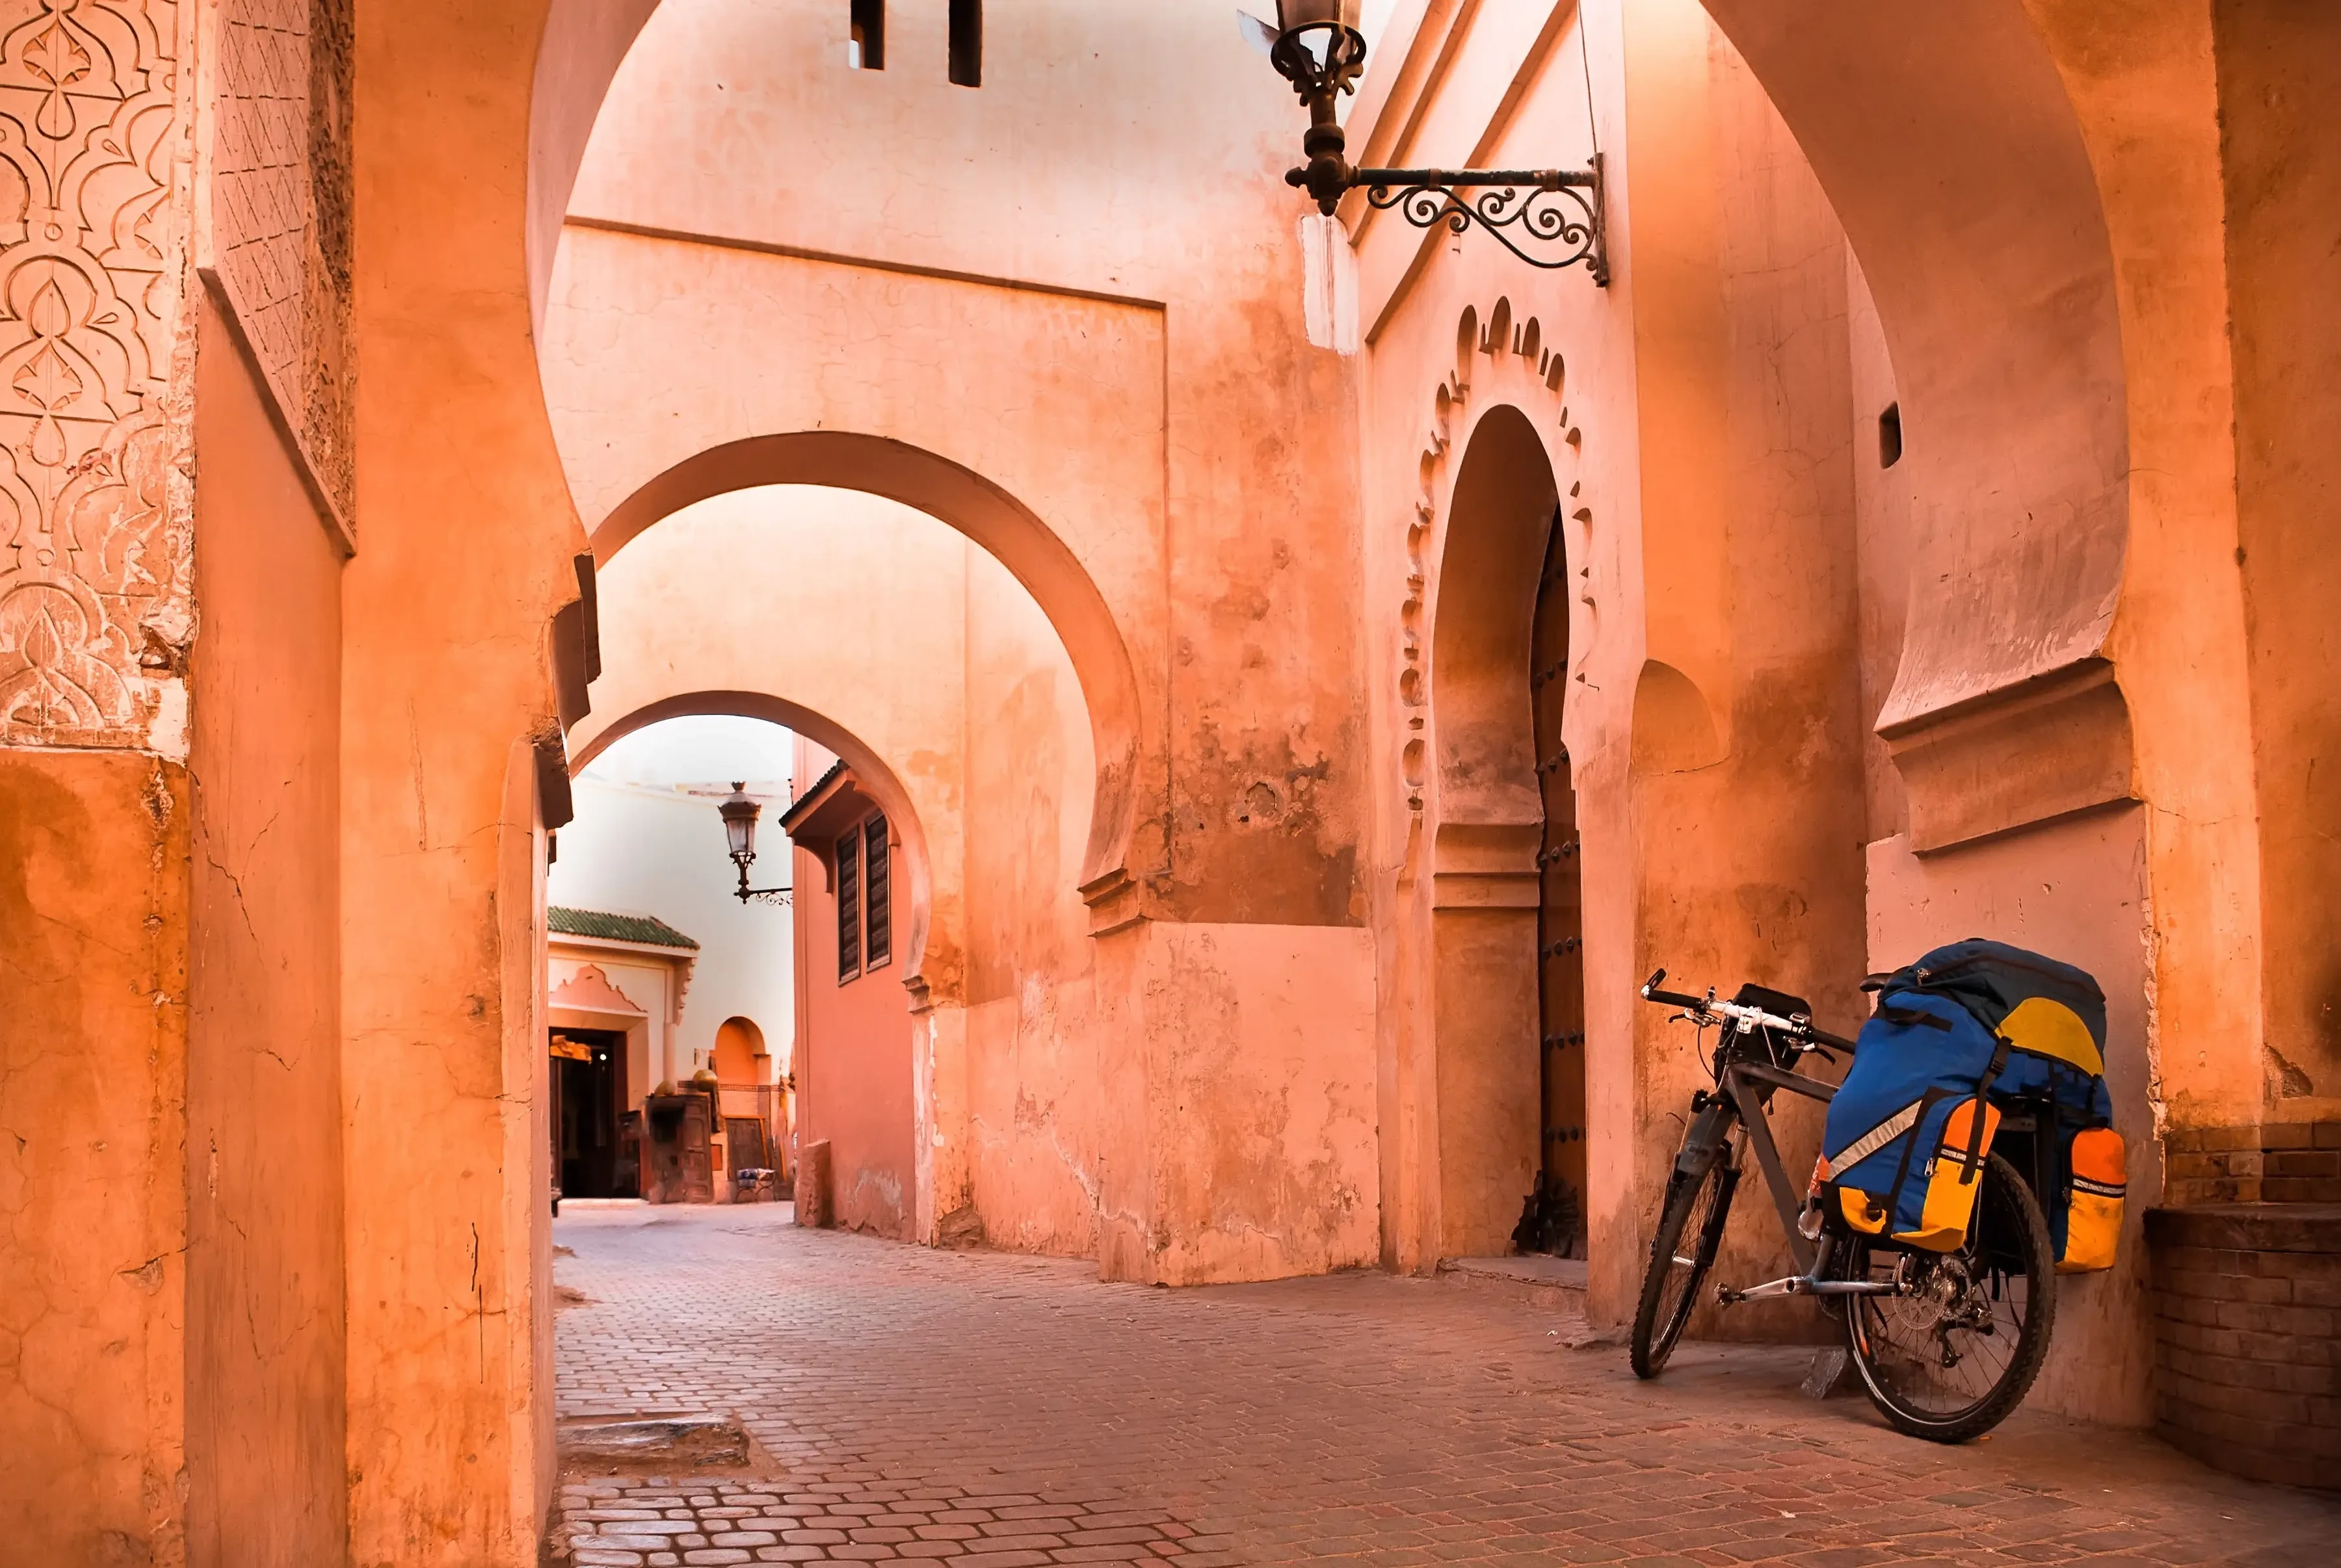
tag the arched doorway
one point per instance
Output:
(1507, 938)
(738, 1045)
(752, 1097)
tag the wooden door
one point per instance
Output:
(1560, 1216)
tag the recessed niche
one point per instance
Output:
(967, 43)
(866, 48)
(1889, 436)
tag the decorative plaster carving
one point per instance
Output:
(1500, 336)
(280, 216)
(590, 990)
(95, 612)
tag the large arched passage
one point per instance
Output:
(989, 517)
(861, 1049)
(2003, 314)
(887, 632)
(889, 639)
(876, 775)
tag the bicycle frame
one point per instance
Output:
(1742, 1082)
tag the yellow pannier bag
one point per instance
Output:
(2093, 1220)
(1948, 1202)
(1862, 1212)
(1952, 1183)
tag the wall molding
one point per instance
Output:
(867, 263)
(2030, 753)
(329, 514)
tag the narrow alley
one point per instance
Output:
(1011, 1412)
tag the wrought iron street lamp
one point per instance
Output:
(740, 814)
(1555, 213)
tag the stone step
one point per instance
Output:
(1546, 1281)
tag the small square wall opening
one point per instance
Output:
(867, 48)
(967, 43)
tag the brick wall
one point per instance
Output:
(2293, 1162)
(2248, 1337)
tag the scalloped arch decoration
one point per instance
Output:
(1523, 358)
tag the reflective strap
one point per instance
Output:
(2102, 1189)
(1878, 1137)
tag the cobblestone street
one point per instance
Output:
(1005, 1411)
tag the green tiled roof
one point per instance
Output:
(645, 928)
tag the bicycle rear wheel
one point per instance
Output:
(1951, 1355)
(1690, 1230)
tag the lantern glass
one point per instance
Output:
(1293, 14)
(740, 815)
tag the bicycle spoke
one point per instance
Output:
(1679, 1259)
(1960, 1341)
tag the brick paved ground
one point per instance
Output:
(1004, 1412)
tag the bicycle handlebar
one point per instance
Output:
(1672, 998)
(1711, 1009)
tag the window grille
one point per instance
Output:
(879, 899)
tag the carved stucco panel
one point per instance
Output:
(94, 604)
(280, 202)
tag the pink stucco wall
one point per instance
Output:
(853, 1062)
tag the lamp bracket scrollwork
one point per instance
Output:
(1555, 213)
(1548, 218)
(747, 894)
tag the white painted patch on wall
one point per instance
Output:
(1330, 281)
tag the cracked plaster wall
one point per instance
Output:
(93, 1135)
(265, 1314)
(1033, 1094)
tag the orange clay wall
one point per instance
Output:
(267, 1397)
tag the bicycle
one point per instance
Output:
(1923, 1329)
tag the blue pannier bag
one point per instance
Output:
(1971, 1028)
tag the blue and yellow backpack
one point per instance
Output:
(1968, 1030)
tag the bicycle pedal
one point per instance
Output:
(1727, 1296)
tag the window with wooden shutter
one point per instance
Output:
(849, 906)
(879, 882)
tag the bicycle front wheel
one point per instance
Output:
(1956, 1350)
(1690, 1231)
